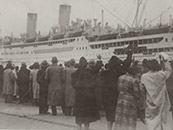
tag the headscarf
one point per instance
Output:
(54, 60)
(44, 64)
(83, 62)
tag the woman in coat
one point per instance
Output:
(128, 100)
(84, 82)
(157, 99)
(108, 83)
(23, 82)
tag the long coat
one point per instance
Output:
(169, 84)
(9, 80)
(157, 99)
(43, 107)
(23, 83)
(35, 84)
(1, 79)
(127, 104)
(69, 90)
(86, 109)
(108, 83)
(54, 76)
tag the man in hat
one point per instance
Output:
(43, 93)
(54, 77)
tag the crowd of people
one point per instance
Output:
(125, 90)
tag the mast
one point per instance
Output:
(102, 18)
(137, 13)
(135, 21)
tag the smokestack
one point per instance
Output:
(31, 25)
(102, 18)
(64, 16)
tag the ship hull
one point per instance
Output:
(65, 49)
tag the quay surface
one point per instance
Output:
(25, 116)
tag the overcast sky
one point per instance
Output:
(13, 13)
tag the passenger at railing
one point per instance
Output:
(69, 92)
(24, 84)
(84, 82)
(8, 83)
(54, 77)
(43, 93)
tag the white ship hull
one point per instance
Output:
(65, 49)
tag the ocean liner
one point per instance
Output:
(84, 40)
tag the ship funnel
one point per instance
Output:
(64, 16)
(31, 25)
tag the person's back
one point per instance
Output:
(54, 77)
(68, 73)
(34, 76)
(23, 83)
(169, 85)
(157, 100)
(43, 90)
(1, 79)
(154, 83)
(35, 85)
(8, 84)
(23, 75)
(68, 91)
(8, 81)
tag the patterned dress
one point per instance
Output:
(126, 111)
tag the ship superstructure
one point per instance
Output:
(83, 40)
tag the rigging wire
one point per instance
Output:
(112, 14)
(137, 12)
(170, 7)
(93, 14)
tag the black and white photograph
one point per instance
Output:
(86, 64)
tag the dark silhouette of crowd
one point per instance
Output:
(121, 88)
